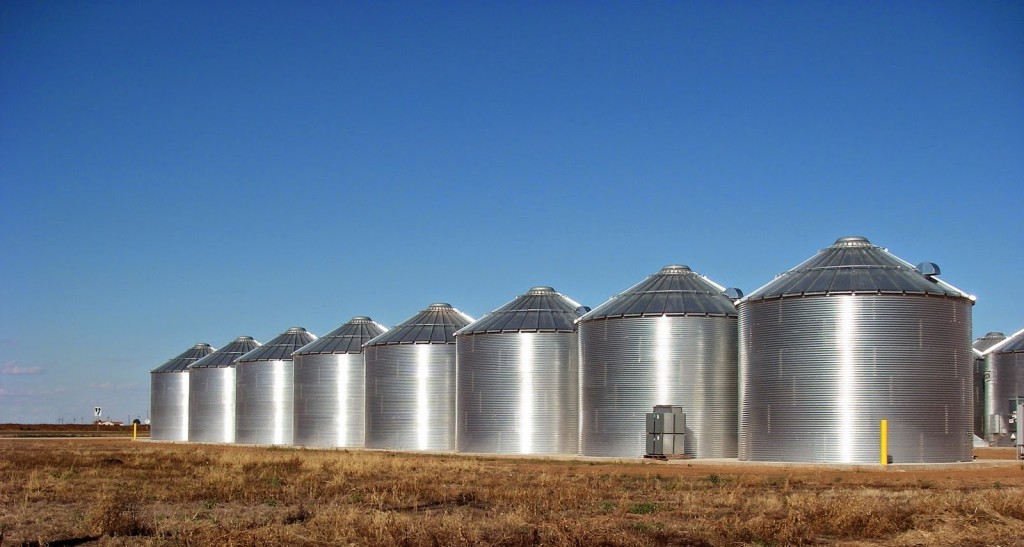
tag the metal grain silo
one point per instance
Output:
(981, 347)
(518, 378)
(668, 340)
(410, 382)
(263, 390)
(168, 403)
(850, 337)
(330, 391)
(211, 388)
(1004, 386)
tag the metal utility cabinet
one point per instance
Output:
(666, 432)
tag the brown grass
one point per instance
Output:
(116, 492)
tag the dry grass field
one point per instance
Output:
(119, 492)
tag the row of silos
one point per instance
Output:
(801, 370)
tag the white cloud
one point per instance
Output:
(14, 368)
(101, 385)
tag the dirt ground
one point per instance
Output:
(115, 491)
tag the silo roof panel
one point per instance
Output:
(435, 325)
(280, 348)
(1013, 344)
(985, 342)
(189, 356)
(853, 265)
(541, 309)
(348, 338)
(674, 290)
(227, 355)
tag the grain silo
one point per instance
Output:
(1004, 387)
(410, 382)
(263, 390)
(330, 389)
(518, 378)
(211, 388)
(981, 347)
(850, 337)
(668, 340)
(168, 403)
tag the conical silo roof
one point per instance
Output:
(226, 356)
(280, 348)
(182, 361)
(981, 345)
(1013, 344)
(674, 291)
(435, 325)
(853, 265)
(540, 309)
(348, 338)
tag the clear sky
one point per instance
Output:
(175, 172)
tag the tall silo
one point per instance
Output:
(668, 340)
(330, 387)
(850, 337)
(264, 390)
(211, 387)
(518, 378)
(1004, 386)
(168, 403)
(981, 347)
(410, 382)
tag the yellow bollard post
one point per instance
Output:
(884, 453)
(135, 430)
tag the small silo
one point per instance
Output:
(981, 347)
(668, 340)
(168, 403)
(211, 388)
(330, 391)
(1004, 386)
(518, 378)
(264, 390)
(850, 337)
(410, 382)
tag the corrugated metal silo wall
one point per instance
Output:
(1004, 383)
(817, 374)
(263, 402)
(628, 365)
(410, 396)
(518, 393)
(979, 397)
(329, 400)
(211, 405)
(168, 409)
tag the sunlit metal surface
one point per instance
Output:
(410, 382)
(330, 386)
(168, 407)
(518, 378)
(981, 346)
(264, 396)
(669, 340)
(211, 401)
(819, 370)
(1004, 383)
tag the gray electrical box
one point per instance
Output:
(666, 431)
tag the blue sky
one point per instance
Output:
(180, 172)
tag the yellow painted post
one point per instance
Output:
(884, 455)
(135, 430)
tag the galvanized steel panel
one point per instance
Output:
(169, 406)
(410, 396)
(541, 309)
(628, 365)
(264, 402)
(189, 356)
(853, 265)
(981, 345)
(674, 290)
(518, 392)
(817, 374)
(211, 404)
(435, 325)
(1004, 384)
(329, 400)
